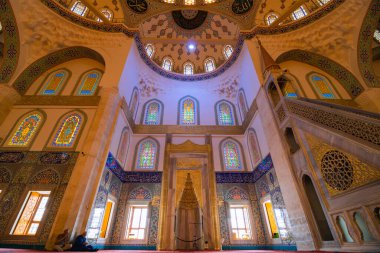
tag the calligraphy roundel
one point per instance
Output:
(242, 6)
(138, 6)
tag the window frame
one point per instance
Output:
(20, 209)
(129, 206)
(79, 84)
(42, 87)
(225, 50)
(102, 10)
(232, 109)
(84, 12)
(188, 63)
(136, 155)
(209, 59)
(146, 50)
(329, 84)
(145, 108)
(303, 10)
(241, 153)
(267, 18)
(247, 205)
(169, 59)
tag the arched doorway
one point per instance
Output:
(316, 207)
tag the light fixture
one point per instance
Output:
(191, 46)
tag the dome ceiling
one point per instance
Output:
(172, 33)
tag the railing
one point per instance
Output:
(357, 123)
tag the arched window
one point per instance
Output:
(147, 154)
(167, 64)
(323, 2)
(134, 102)
(376, 36)
(242, 103)
(225, 113)
(149, 49)
(232, 159)
(89, 83)
(188, 107)
(270, 18)
(299, 13)
(68, 130)
(209, 64)
(25, 129)
(254, 147)
(344, 229)
(189, 2)
(286, 87)
(321, 86)
(188, 68)
(365, 235)
(107, 13)
(54, 82)
(122, 150)
(79, 8)
(228, 50)
(152, 113)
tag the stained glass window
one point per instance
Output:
(189, 2)
(107, 13)
(299, 13)
(322, 2)
(288, 90)
(225, 114)
(68, 131)
(271, 17)
(133, 103)
(149, 50)
(188, 111)
(167, 64)
(188, 68)
(209, 64)
(228, 50)
(123, 146)
(25, 130)
(146, 155)
(89, 83)
(32, 213)
(242, 103)
(54, 82)
(376, 35)
(231, 155)
(152, 113)
(79, 8)
(322, 86)
(254, 145)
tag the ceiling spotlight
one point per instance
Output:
(191, 46)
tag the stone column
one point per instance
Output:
(8, 97)
(81, 190)
(288, 183)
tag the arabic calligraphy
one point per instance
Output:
(242, 6)
(138, 6)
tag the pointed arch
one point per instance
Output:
(54, 82)
(270, 18)
(334, 69)
(225, 113)
(188, 68)
(287, 87)
(107, 13)
(188, 111)
(26, 129)
(231, 155)
(67, 130)
(42, 65)
(236, 193)
(11, 47)
(146, 154)
(140, 193)
(254, 147)
(153, 112)
(134, 102)
(167, 63)
(122, 150)
(79, 8)
(322, 86)
(209, 64)
(88, 83)
(227, 51)
(149, 49)
(242, 102)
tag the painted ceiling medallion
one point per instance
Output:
(189, 19)
(242, 6)
(138, 6)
